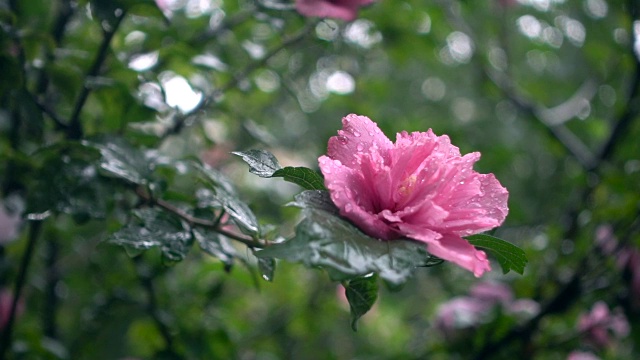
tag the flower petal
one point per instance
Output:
(346, 187)
(458, 250)
(359, 134)
(484, 211)
(340, 9)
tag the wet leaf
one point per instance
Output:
(216, 245)
(67, 181)
(305, 177)
(264, 164)
(121, 160)
(362, 293)
(220, 194)
(267, 267)
(315, 199)
(261, 162)
(154, 228)
(327, 241)
(508, 255)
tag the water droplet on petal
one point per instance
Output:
(360, 147)
(348, 207)
(356, 134)
(343, 140)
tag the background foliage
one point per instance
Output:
(109, 109)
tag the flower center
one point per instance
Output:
(406, 187)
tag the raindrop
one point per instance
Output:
(356, 134)
(360, 147)
(342, 139)
(348, 208)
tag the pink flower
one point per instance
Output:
(420, 188)
(460, 313)
(492, 293)
(600, 324)
(581, 355)
(6, 299)
(466, 312)
(340, 9)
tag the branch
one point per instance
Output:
(75, 127)
(34, 233)
(570, 292)
(206, 101)
(195, 221)
(553, 118)
(146, 280)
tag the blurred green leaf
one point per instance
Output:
(267, 267)
(261, 162)
(150, 228)
(220, 193)
(215, 245)
(325, 240)
(509, 256)
(68, 182)
(362, 293)
(121, 160)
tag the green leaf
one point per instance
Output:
(220, 194)
(216, 245)
(509, 256)
(154, 228)
(362, 293)
(325, 240)
(305, 177)
(121, 160)
(68, 182)
(261, 162)
(315, 199)
(264, 164)
(267, 267)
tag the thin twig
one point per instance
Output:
(205, 102)
(192, 220)
(146, 280)
(551, 119)
(34, 234)
(75, 126)
(570, 291)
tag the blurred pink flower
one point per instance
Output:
(581, 355)
(339, 9)
(420, 188)
(459, 313)
(465, 312)
(6, 298)
(492, 293)
(606, 239)
(600, 324)
(163, 5)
